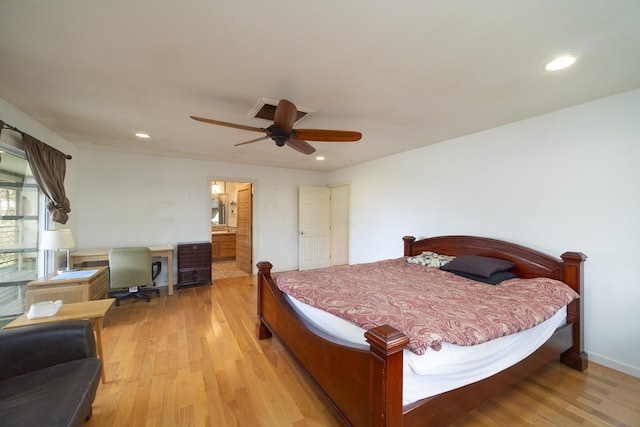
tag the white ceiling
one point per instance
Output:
(404, 73)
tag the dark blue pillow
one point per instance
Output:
(478, 265)
(494, 279)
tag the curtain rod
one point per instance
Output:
(15, 129)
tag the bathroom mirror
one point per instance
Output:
(218, 209)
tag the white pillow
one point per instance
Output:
(430, 259)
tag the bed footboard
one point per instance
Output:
(363, 385)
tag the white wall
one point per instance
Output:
(565, 181)
(126, 200)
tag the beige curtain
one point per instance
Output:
(49, 168)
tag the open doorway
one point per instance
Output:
(231, 218)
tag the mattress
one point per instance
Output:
(453, 366)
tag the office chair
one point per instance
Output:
(132, 268)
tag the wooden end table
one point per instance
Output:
(92, 310)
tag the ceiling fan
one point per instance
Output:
(282, 132)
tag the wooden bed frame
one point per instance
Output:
(364, 384)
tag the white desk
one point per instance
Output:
(163, 251)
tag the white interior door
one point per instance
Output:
(340, 224)
(314, 217)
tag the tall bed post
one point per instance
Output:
(408, 240)
(575, 357)
(264, 269)
(385, 381)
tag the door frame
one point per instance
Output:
(227, 178)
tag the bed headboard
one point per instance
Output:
(528, 262)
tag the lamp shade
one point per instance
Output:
(57, 239)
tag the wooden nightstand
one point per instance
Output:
(85, 284)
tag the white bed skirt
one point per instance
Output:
(453, 366)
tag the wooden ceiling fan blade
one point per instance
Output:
(285, 115)
(302, 146)
(327, 135)
(229, 125)
(253, 140)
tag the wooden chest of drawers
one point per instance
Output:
(194, 263)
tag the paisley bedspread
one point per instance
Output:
(428, 305)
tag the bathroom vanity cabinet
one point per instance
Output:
(223, 245)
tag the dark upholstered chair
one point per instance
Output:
(132, 269)
(49, 374)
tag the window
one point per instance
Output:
(19, 225)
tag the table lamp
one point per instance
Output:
(59, 240)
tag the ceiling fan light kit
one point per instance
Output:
(283, 133)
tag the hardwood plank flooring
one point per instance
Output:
(193, 360)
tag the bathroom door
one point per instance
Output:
(244, 235)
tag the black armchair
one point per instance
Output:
(49, 374)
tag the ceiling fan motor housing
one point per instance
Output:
(279, 135)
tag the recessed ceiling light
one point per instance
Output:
(143, 135)
(560, 62)
(319, 157)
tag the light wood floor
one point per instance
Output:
(193, 360)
